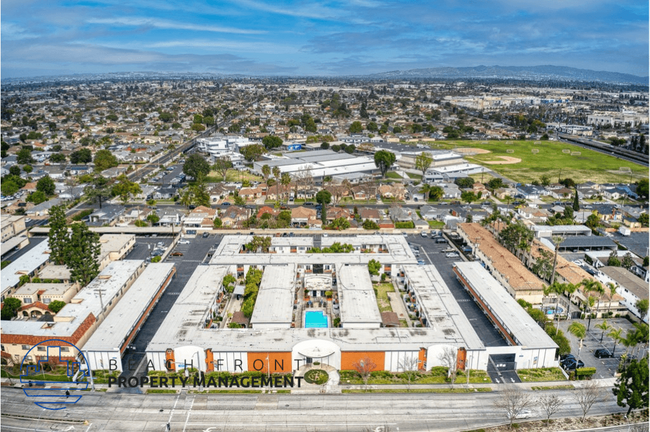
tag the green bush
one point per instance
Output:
(156, 259)
(585, 373)
(405, 225)
(316, 376)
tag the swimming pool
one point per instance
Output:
(315, 319)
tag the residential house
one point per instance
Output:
(530, 192)
(370, 214)
(400, 214)
(415, 194)
(234, 216)
(201, 217)
(251, 193)
(165, 192)
(300, 216)
(502, 193)
(629, 286)
(534, 214)
(113, 172)
(480, 188)
(170, 216)
(108, 215)
(337, 212)
(43, 209)
(451, 190)
(561, 193)
(266, 209)
(394, 191)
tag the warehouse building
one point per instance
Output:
(318, 163)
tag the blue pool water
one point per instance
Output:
(315, 319)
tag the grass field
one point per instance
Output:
(541, 374)
(382, 296)
(588, 166)
(232, 175)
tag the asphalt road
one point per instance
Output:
(276, 412)
(193, 255)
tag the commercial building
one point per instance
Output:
(114, 247)
(318, 163)
(11, 226)
(560, 230)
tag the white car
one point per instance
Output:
(524, 414)
(423, 234)
(184, 242)
(452, 255)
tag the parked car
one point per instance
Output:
(225, 204)
(205, 235)
(573, 365)
(184, 242)
(441, 240)
(177, 253)
(603, 353)
(308, 204)
(452, 255)
(423, 234)
(421, 262)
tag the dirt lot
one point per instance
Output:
(507, 160)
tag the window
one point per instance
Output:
(65, 349)
(41, 348)
(26, 347)
(27, 300)
(47, 300)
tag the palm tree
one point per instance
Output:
(426, 189)
(578, 330)
(266, 172)
(570, 289)
(604, 327)
(285, 179)
(642, 333)
(612, 293)
(591, 285)
(276, 174)
(617, 335)
(557, 240)
(556, 288)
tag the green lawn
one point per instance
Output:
(541, 374)
(436, 224)
(382, 296)
(393, 175)
(588, 166)
(416, 390)
(232, 175)
(438, 375)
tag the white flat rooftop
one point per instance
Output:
(111, 333)
(358, 302)
(523, 329)
(25, 264)
(274, 304)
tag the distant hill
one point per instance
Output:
(533, 73)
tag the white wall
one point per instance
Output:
(100, 360)
(234, 362)
(394, 360)
(324, 346)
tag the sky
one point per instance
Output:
(321, 38)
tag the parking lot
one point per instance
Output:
(193, 254)
(605, 367)
(146, 247)
(432, 252)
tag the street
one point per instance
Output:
(277, 412)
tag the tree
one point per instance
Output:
(356, 127)
(587, 396)
(196, 166)
(217, 223)
(266, 172)
(323, 197)
(613, 259)
(516, 236)
(153, 218)
(468, 197)
(576, 201)
(325, 145)
(126, 189)
(604, 326)
(617, 336)
(14, 170)
(550, 404)
(580, 331)
(642, 188)
(643, 219)
(9, 308)
(409, 366)
(81, 156)
(464, 182)
(222, 165)
(36, 197)
(252, 152)
(627, 261)
(285, 180)
(58, 234)
(271, 141)
(373, 267)
(370, 225)
(24, 156)
(513, 401)
(9, 187)
(58, 158)
(423, 162)
(384, 160)
(229, 282)
(545, 180)
(55, 306)
(364, 367)
(104, 159)
(642, 307)
(631, 388)
(82, 254)
(495, 183)
(448, 358)
(277, 174)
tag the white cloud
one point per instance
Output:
(11, 31)
(165, 24)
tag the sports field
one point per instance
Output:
(552, 158)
